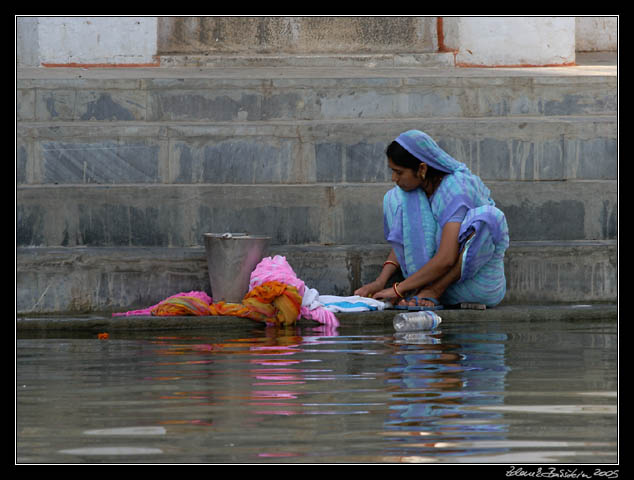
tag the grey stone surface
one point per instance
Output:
(312, 60)
(178, 215)
(119, 172)
(345, 34)
(530, 148)
(99, 162)
(84, 279)
(323, 97)
(539, 315)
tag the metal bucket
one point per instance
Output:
(231, 258)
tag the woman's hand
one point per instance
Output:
(387, 295)
(370, 289)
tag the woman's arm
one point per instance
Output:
(437, 267)
(389, 268)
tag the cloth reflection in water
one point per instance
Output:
(431, 385)
(435, 382)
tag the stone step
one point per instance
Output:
(80, 279)
(495, 148)
(309, 93)
(328, 60)
(322, 213)
(120, 171)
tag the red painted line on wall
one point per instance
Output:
(101, 65)
(520, 65)
(440, 33)
(442, 48)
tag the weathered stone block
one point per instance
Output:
(192, 35)
(178, 215)
(101, 162)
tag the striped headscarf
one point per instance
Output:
(425, 149)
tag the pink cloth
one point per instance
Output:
(321, 315)
(268, 270)
(275, 269)
(278, 269)
(148, 311)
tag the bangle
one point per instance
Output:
(396, 291)
(390, 262)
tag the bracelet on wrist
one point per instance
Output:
(396, 291)
(390, 262)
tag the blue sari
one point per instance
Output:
(413, 225)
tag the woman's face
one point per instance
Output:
(405, 178)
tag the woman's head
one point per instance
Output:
(408, 172)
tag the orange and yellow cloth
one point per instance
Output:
(183, 305)
(271, 302)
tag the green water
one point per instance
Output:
(498, 392)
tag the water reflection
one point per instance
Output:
(303, 395)
(434, 379)
(423, 392)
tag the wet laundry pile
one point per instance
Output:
(184, 303)
(276, 296)
(272, 303)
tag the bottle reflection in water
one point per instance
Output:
(413, 321)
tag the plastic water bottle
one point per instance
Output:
(412, 321)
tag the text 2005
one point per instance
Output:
(577, 473)
(606, 473)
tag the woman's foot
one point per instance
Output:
(421, 299)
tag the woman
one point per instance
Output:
(447, 236)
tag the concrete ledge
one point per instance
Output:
(98, 323)
(261, 94)
(159, 215)
(76, 280)
(369, 60)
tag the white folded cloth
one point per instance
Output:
(354, 303)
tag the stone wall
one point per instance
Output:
(303, 35)
(142, 41)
